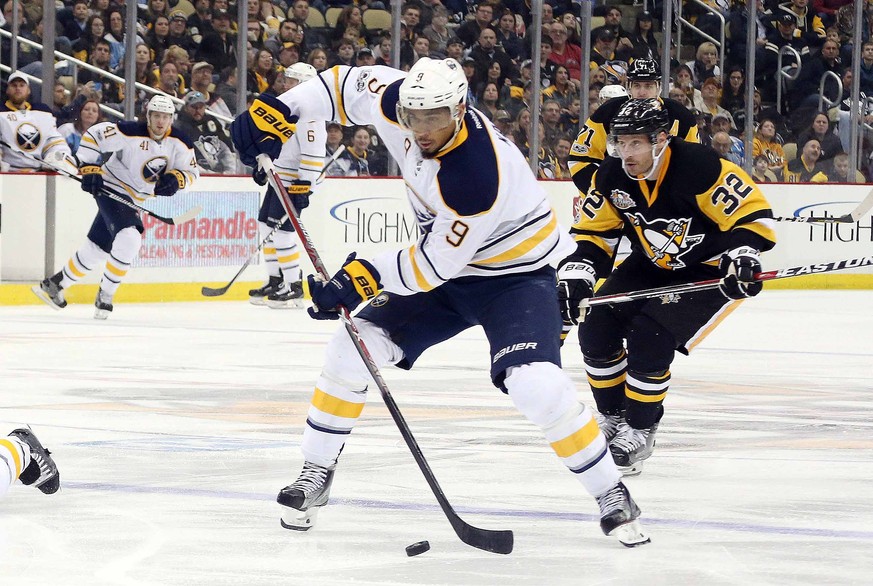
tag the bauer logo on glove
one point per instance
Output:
(356, 282)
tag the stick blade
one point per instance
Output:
(500, 541)
(210, 292)
(187, 216)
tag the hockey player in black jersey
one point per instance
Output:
(689, 215)
(644, 81)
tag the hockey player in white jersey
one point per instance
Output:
(23, 457)
(139, 159)
(29, 131)
(488, 241)
(299, 166)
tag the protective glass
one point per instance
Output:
(622, 146)
(423, 121)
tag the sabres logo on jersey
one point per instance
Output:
(153, 168)
(28, 137)
(665, 241)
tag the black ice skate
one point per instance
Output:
(608, 424)
(303, 498)
(42, 471)
(103, 303)
(287, 296)
(619, 516)
(51, 292)
(631, 447)
(259, 296)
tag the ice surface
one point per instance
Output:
(175, 425)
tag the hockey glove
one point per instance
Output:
(92, 179)
(300, 191)
(575, 282)
(259, 176)
(738, 268)
(262, 129)
(357, 281)
(169, 183)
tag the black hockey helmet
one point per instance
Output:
(646, 116)
(644, 70)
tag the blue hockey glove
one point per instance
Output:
(300, 191)
(357, 281)
(169, 183)
(262, 129)
(92, 178)
(576, 282)
(738, 268)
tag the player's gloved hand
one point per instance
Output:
(738, 268)
(92, 178)
(300, 191)
(576, 281)
(169, 183)
(259, 175)
(357, 281)
(262, 129)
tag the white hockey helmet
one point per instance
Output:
(161, 103)
(301, 72)
(611, 91)
(432, 84)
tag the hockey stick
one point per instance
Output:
(666, 292)
(486, 539)
(860, 210)
(119, 197)
(210, 292)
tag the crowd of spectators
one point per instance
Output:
(187, 49)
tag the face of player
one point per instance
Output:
(291, 82)
(636, 152)
(159, 124)
(643, 90)
(18, 91)
(431, 129)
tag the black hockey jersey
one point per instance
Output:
(698, 207)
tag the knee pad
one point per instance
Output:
(650, 346)
(344, 363)
(542, 392)
(126, 243)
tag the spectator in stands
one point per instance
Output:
(354, 158)
(643, 44)
(562, 89)
(519, 101)
(683, 79)
(158, 38)
(318, 59)
(503, 121)
(708, 103)
(840, 172)
(470, 31)
(411, 18)
(613, 24)
(264, 13)
(735, 31)
(768, 57)
(225, 89)
(603, 50)
(344, 54)
(570, 116)
(88, 115)
(219, 46)
(200, 22)
(678, 94)
(820, 129)
(212, 145)
(564, 53)
(562, 154)
(288, 30)
(765, 144)
(74, 22)
(551, 121)
(115, 36)
(94, 29)
(488, 100)
(110, 92)
(257, 75)
(521, 128)
(547, 66)
(365, 57)
(201, 81)
(384, 56)
(334, 140)
(299, 13)
(705, 64)
(866, 69)
(805, 91)
(437, 32)
(574, 30)
(152, 10)
(486, 51)
(168, 79)
(179, 35)
(807, 165)
(724, 145)
(809, 24)
(761, 172)
(827, 9)
(507, 38)
(469, 67)
(495, 75)
(180, 58)
(733, 98)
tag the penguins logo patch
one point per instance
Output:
(152, 169)
(28, 137)
(665, 241)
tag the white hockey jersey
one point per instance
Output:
(132, 161)
(302, 155)
(30, 135)
(477, 203)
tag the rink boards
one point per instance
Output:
(45, 218)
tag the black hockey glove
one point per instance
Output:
(576, 282)
(738, 268)
(92, 178)
(357, 281)
(169, 183)
(259, 175)
(299, 191)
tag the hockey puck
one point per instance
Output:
(417, 548)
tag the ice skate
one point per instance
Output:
(51, 292)
(103, 303)
(42, 471)
(287, 296)
(259, 296)
(303, 498)
(631, 447)
(619, 516)
(608, 424)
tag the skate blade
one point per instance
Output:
(101, 314)
(298, 520)
(634, 469)
(630, 534)
(37, 290)
(290, 304)
(258, 300)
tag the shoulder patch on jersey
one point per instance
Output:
(468, 177)
(389, 100)
(133, 128)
